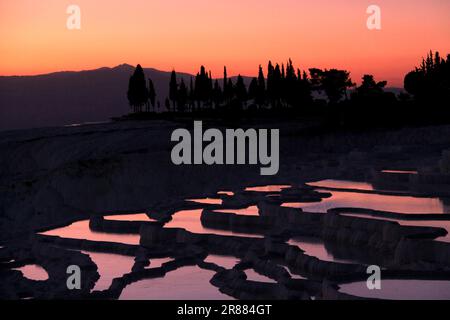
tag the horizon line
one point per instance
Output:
(156, 69)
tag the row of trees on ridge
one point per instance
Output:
(284, 86)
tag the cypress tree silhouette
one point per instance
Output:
(260, 97)
(283, 89)
(131, 93)
(253, 89)
(137, 89)
(203, 87)
(230, 90)
(167, 104)
(291, 94)
(191, 95)
(270, 84)
(182, 96)
(173, 89)
(151, 94)
(227, 87)
(241, 91)
(198, 91)
(217, 94)
(277, 86)
(210, 88)
(225, 77)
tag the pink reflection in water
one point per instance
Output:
(252, 275)
(250, 211)
(226, 262)
(227, 193)
(293, 276)
(341, 184)
(129, 217)
(80, 230)
(158, 262)
(400, 204)
(206, 201)
(419, 223)
(401, 290)
(186, 283)
(400, 171)
(110, 266)
(270, 188)
(190, 220)
(34, 272)
(317, 249)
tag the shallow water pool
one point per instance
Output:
(341, 184)
(400, 204)
(269, 188)
(190, 220)
(315, 248)
(401, 290)
(110, 266)
(33, 272)
(81, 230)
(186, 283)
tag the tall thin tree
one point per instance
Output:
(151, 93)
(137, 89)
(173, 88)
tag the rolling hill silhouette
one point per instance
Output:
(63, 98)
(71, 97)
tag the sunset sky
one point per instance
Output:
(183, 34)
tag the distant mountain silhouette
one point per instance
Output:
(68, 97)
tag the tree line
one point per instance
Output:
(430, 82)
(282, 86)
(141, 91)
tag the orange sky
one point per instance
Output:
(242, 34)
